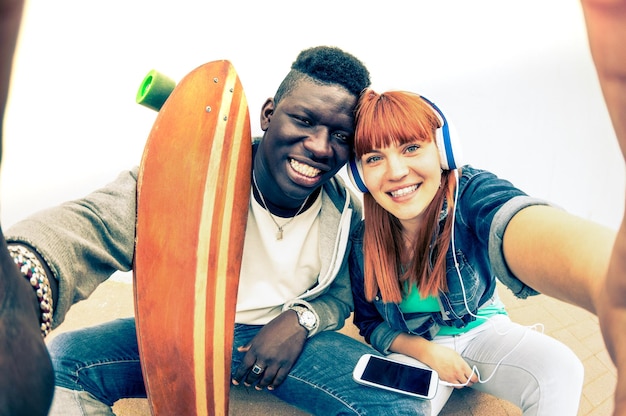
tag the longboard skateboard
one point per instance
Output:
(192, 202)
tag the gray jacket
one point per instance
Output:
(86, 240)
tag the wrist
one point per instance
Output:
(31, 268)
(412, 345)
(306, 318)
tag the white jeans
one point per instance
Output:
(539, 374)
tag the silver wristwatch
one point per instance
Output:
(306, 317)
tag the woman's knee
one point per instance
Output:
(560, 376)
(561, 362)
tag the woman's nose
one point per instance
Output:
(397, 168)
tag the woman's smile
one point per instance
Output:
(404, 191)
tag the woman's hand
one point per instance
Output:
(451, 367)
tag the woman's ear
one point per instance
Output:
(266, 113)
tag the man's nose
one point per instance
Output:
(318, 142)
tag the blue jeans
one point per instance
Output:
(95, 367)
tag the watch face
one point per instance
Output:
(307, 318)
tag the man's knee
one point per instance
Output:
(68, 402)
(64, 353)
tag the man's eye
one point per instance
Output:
(303, 120)
(341, 137)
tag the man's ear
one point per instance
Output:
(266, 113)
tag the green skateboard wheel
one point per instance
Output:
(154, 90)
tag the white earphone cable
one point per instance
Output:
(458, 271)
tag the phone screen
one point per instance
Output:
(398, 376)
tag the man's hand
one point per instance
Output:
(26, 375)
(272, 352)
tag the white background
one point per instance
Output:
(515, 77)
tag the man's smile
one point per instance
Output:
(304, 169)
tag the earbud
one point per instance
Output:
(450, 152)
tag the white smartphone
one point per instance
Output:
(384, 373)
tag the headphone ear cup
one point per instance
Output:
(355, 173)
(448, 144)
(441, 147)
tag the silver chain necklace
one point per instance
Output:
(279, 232)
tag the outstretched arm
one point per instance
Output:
(559, 254)
(567, 257)
(606, 30)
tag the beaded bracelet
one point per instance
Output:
(32, 270)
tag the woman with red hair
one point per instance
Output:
(424, 268)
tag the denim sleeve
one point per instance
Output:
(84, 241)
(496, 252)
(367, 318)
(382, 337)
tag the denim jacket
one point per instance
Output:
(485, 206)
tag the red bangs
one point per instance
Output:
(394, 117)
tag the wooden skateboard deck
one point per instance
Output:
(192, 204)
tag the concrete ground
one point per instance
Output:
(571, 325)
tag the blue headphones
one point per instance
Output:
(447, 143)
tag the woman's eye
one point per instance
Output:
(412, 148)
(372, 159)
